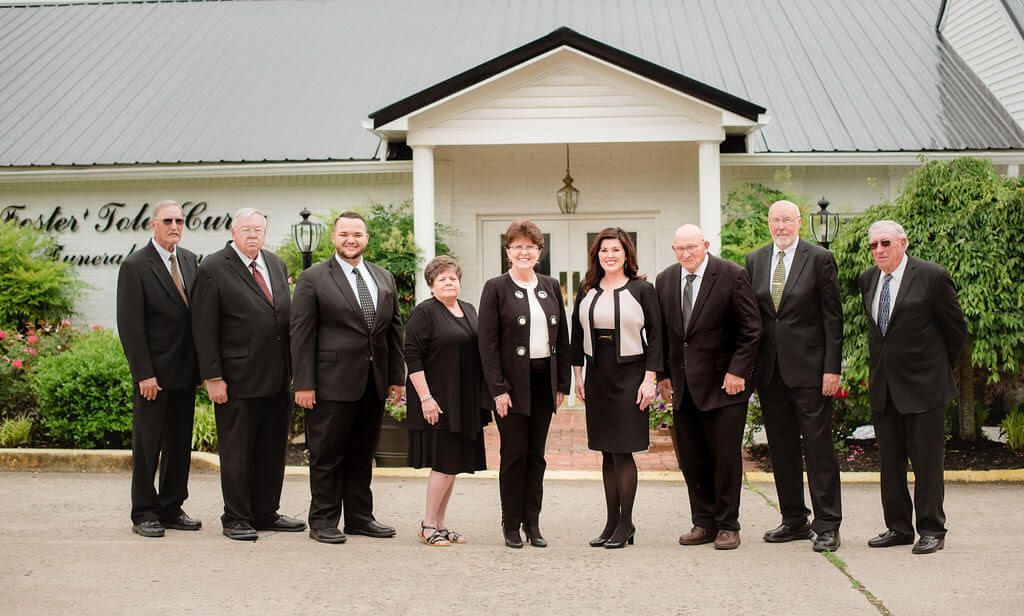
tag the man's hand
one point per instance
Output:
(217, 389)
(306, 398)
(559, 398)
(395, 393)
(733, 384)
(149, 388)
(829, 384)
(502, 404)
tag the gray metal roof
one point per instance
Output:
(121, 83)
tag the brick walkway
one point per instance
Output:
(567, 447)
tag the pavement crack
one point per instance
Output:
(831, 557)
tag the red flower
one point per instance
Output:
(31, 351)
(842, 393)
(17, 363)
(32, 339)
(3, 334)
(97, 327)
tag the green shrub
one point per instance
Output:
(204, 427)
(85, 394)
(19, 353)
(33, 285)
(1012, 427)
(16, 431)
(745, 219)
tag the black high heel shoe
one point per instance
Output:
(613, 543)
(600, 540)
(512, 537)
(534, 537)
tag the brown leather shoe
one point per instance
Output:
(697, 536)
(727, 540)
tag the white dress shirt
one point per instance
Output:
(894, 287)
(261, 265)
(166, 258)
(696, 281)
(364, 271)
(539, 343)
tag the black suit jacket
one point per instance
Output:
(333, 350)
(804, 337)
(240, 337)
(724, 331)
(154, 324)
(913, 362)
(504, 336)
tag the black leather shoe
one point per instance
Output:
(890, 538)
(827, 540)
(149, 528)
(614, 542)
(534, 537)
(927, 544)
(182, 522)
(512, 538)
(373, 528)
(327, 535)
(284, 524)
(241, 532)
(600, 540)
(783, 533)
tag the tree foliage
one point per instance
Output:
(33, 285)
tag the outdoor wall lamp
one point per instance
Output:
(824, 224)
(306, 235)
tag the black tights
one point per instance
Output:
(620, 479)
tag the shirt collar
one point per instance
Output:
(160, 250)
(245, 258)
(898, 272)
(700, 268)
(346, 266)
(788, 251)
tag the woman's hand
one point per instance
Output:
(645, 394)
(502, 404)
(431, 411)
(581, 393)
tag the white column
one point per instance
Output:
(710, 190)
(1013, 171)
(423, 211)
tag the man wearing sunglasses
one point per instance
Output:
(916, 331)
(154, 323)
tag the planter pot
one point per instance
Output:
(393, 445)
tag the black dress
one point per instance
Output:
(445, 348)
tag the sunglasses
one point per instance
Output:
(882, 243)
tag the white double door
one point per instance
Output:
(567, 241)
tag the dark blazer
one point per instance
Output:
(333, 350)
(913, 362)
(804, 338)
(637, 292)
(725, 328)
(240, 337)
(504, 335)
(154, 324)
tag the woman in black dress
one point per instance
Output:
(444, 385)
(524, 349)
(616, 328)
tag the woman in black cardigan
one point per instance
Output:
(616, 329)
(524, 349)
(445, 386)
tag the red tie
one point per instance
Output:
(262, 283)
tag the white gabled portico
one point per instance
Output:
(566, 89)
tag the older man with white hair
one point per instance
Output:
(240, 318)
(916, 331)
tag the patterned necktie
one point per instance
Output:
(884, 299)
(688, 300)
(176, 277)
(365, 301)
(778, 280)
(262, 283)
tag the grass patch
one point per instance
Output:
(16, 431)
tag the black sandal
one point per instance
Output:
(435, 539)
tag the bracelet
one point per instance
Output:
(427, 397)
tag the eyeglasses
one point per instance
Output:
(883, 243)
(252, 230)
(175, 221)
(788, 220)
(521, 248)
(692, 248)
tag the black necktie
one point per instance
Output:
(365, 301)
(884, 299)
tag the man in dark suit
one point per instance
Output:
(916, 331)
(347, 356)
(240, 313)
(155, 327)
(797, 373)
(711, 328)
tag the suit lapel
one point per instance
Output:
(761, 277)
(378, 280)
(908, 279)
(799, 261)
(868, 295)
(244, 273)
(161, 273)
(676, 294)
(341, 279)
(278, 282)
(710, 273)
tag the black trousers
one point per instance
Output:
(252, 436)
(161, 438)
(708, 444)
(922, 438)
(342, 437)
(789, 414)
(523, 439)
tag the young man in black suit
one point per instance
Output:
(346, 337)
(155, 327)
(711, 328)
(240, 313)
(797, 373)
(916, 331)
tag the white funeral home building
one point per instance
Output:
(471, 110)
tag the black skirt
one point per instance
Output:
(614, 422)
(446, 452)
